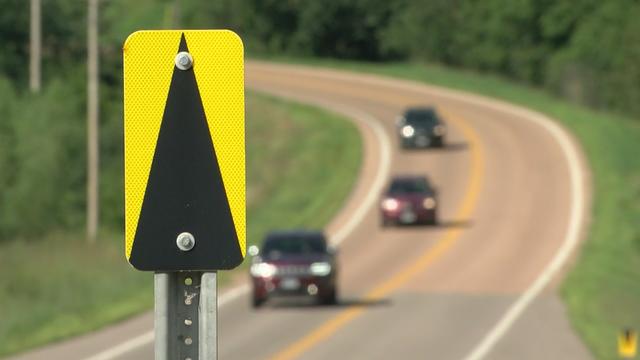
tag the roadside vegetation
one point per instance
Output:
(584, 50)
(53, 283)
(528, 52)
(602, 289)
(56, 285)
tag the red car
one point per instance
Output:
(294, 263)
(409, 200)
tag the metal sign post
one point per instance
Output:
(184, 177)
(186, 315)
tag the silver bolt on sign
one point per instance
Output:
(184, 60)
(185, 241)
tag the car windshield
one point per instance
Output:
(408, 186)
(425, 117)
(294, 244)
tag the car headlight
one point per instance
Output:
(439, 130)
(263, 270)
(407, 131)
(429, 203)
(320, 268)
(390, 204)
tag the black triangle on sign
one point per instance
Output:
(185, 191)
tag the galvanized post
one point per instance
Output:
(161, 322)
(185, 316)
(208, 320)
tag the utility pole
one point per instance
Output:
(35, 45)
(177, 14)
(92, 121)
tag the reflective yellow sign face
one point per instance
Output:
(627, 344)
(184, 149)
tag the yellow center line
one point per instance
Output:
(445, 242)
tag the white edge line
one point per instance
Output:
(148, 337)
(384, 146)
(125, 347)
(577, 212)
(572, 237)
(378, 183)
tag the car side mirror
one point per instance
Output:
(253, 250)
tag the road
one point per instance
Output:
(513, 201)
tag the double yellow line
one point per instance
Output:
(331, 326)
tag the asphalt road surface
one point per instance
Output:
(513, 194)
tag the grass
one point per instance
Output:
(303, 160)
(60, 286)
(301, 165)
(602, 290)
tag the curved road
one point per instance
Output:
(513, 203)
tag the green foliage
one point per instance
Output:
(602, 57)
(63, 37)
(342, 28)
(601, 291)
(14, 36)
(421, 31)
(289, 148)
(61, 285)
(338, 28)
(43, 146)
(586, 50)
(42, 165)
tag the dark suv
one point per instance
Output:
(294, 263)
(421, 127)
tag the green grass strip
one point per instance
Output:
(602, 291)
(301, 165)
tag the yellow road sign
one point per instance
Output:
(184, 150)
(627, 344)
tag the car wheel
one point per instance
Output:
(434, 221)
(256, 302)
(330, 299)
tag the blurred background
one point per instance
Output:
(61, 210)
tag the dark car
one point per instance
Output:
(421, 127)
(409, 200)
(294, 263)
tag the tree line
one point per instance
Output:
(585, 50)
